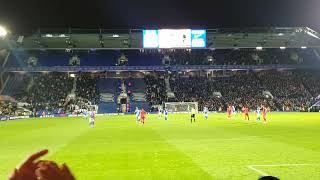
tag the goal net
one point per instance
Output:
(315, 107)
(181, 107)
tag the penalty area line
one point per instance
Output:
(254, 167)
(262, 173)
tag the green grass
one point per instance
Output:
(217, 148)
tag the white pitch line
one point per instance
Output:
(258, 171)
(252, 167)
(276, 165)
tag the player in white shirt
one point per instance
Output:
(160, 112)
(137, 113)
(84, 113)
(91, 118)
(205, 112)
(258, 114)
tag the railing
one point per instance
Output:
(6, 59)
(158, 68)
(4, 85)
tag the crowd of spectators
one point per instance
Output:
(48, 92)
(311, 82)
(7, 108)
(242, 57)
(289, 91)
(51, 93)
(217, 93)
(87, 88)
(155, 89)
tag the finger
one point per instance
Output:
(65, 169)
(67, 173)
(53, 167)
(40, 163)
(14, 176)
(35, 156)
(52, 163)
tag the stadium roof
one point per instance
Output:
(132, 38)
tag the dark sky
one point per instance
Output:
(26, 15)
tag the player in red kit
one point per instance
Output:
(142, 116)
(229, 111)
(245, 110)
(264, 113)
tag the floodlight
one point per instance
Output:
(259, 48)
(303, 47)
(3, 31)
(282, 48)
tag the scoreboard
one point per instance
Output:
(174, 38)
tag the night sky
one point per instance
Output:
(28, 15)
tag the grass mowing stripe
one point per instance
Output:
(21, 138)
(122, 149)
(118, 148)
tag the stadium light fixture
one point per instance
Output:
(3, 31)
(303, 47)
(282, 48)
(259, 48)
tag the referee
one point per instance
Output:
(193, 115)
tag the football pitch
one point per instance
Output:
(218, 148)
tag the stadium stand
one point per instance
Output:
(136, 91)
(288, 90)
(15, 85)
(242, 89)
(86, 88)
(231, 70)
(108, 90)
(155, 89)
(95, 58)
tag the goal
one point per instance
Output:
(315, 107)
(181, 107)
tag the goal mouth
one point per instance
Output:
(181, 107)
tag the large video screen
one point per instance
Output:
(150, 39)
(174, 38)
(198, 38)
(169, 38)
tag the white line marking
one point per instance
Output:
(258, 171)
(252, 167)
(275, 165)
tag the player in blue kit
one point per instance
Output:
(92, 117)
(137, 113)
(258, 114)
(206, 112)
(165, 112)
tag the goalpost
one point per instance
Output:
(315, 107)
(181, 107)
